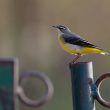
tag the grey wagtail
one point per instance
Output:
(75, 45)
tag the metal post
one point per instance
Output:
(82, 80)
(84, 89)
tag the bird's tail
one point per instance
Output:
(104, 52)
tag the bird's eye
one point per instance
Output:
(62, 28)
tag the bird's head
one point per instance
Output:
(62, 28)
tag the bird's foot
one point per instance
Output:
(76, 58)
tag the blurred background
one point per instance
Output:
(26, 33)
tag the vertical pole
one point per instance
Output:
(82, 80)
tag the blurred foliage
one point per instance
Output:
(26, 33)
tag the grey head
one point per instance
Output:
(62, 28)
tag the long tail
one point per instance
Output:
(104, 52)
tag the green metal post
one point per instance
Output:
(82, 85)
(7, 84)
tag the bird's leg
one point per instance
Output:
(76, 58)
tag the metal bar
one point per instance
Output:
(82, 85)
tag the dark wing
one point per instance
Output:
(73, 39)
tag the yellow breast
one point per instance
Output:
(66, 46)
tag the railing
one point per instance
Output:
(11, 86)
(84, 89)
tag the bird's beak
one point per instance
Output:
(54, 26)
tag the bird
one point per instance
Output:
(74, 44)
